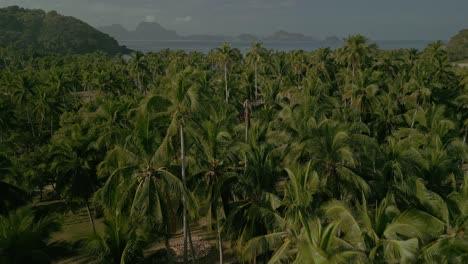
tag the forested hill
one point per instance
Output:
(458, 46)
(52, 32)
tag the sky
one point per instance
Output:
(377, 19)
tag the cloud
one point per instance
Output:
(271, 4)
(150, 18)
(185, 19)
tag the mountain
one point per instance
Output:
(214, 38)
(51, 32)
(458, 46)
(154, 31)
(287, 36)
(117, 31)
(248, 38)
(144, 31)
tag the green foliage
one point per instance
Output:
(354, 155)
(24, 237)
(458, 46)
(52, 33)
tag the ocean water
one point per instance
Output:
(206, 46)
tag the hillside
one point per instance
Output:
(458, 46)
(52, 32)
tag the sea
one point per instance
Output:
(205, 46)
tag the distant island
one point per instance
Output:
(458, 46)
(153, 31)
(50, 32)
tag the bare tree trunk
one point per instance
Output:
(226, 82)
(90, 217)
(184, 217)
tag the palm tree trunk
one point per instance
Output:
(184, 217)
(51, 126)
(192, 249)
(256, 83)
(90, 217)
(464, 141)
(30, 123)
(168, 248)
(414, 116)
(220, 243)
(226, 83)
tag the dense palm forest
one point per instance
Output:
(353, 155)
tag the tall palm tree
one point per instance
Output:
(75, 174)
(226, 56)
(24, 90)
(139, 69)
(213, 149)
(183, 90)
(255, 58)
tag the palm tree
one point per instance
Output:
(396, 236)
(25, 238)
(138, 181)
(121, 242)
(75, 174)
(451, 246)
(184, 93)
(356, 54)
(226, 56)
(332, 155)
(139, 69)
(213, 148)
(362, 93)
(255, 57)
(254, 208)
(24, 90)
(322, 244)
(11, 197)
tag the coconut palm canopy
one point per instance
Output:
(353, 155)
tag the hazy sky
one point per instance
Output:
(377, 19)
